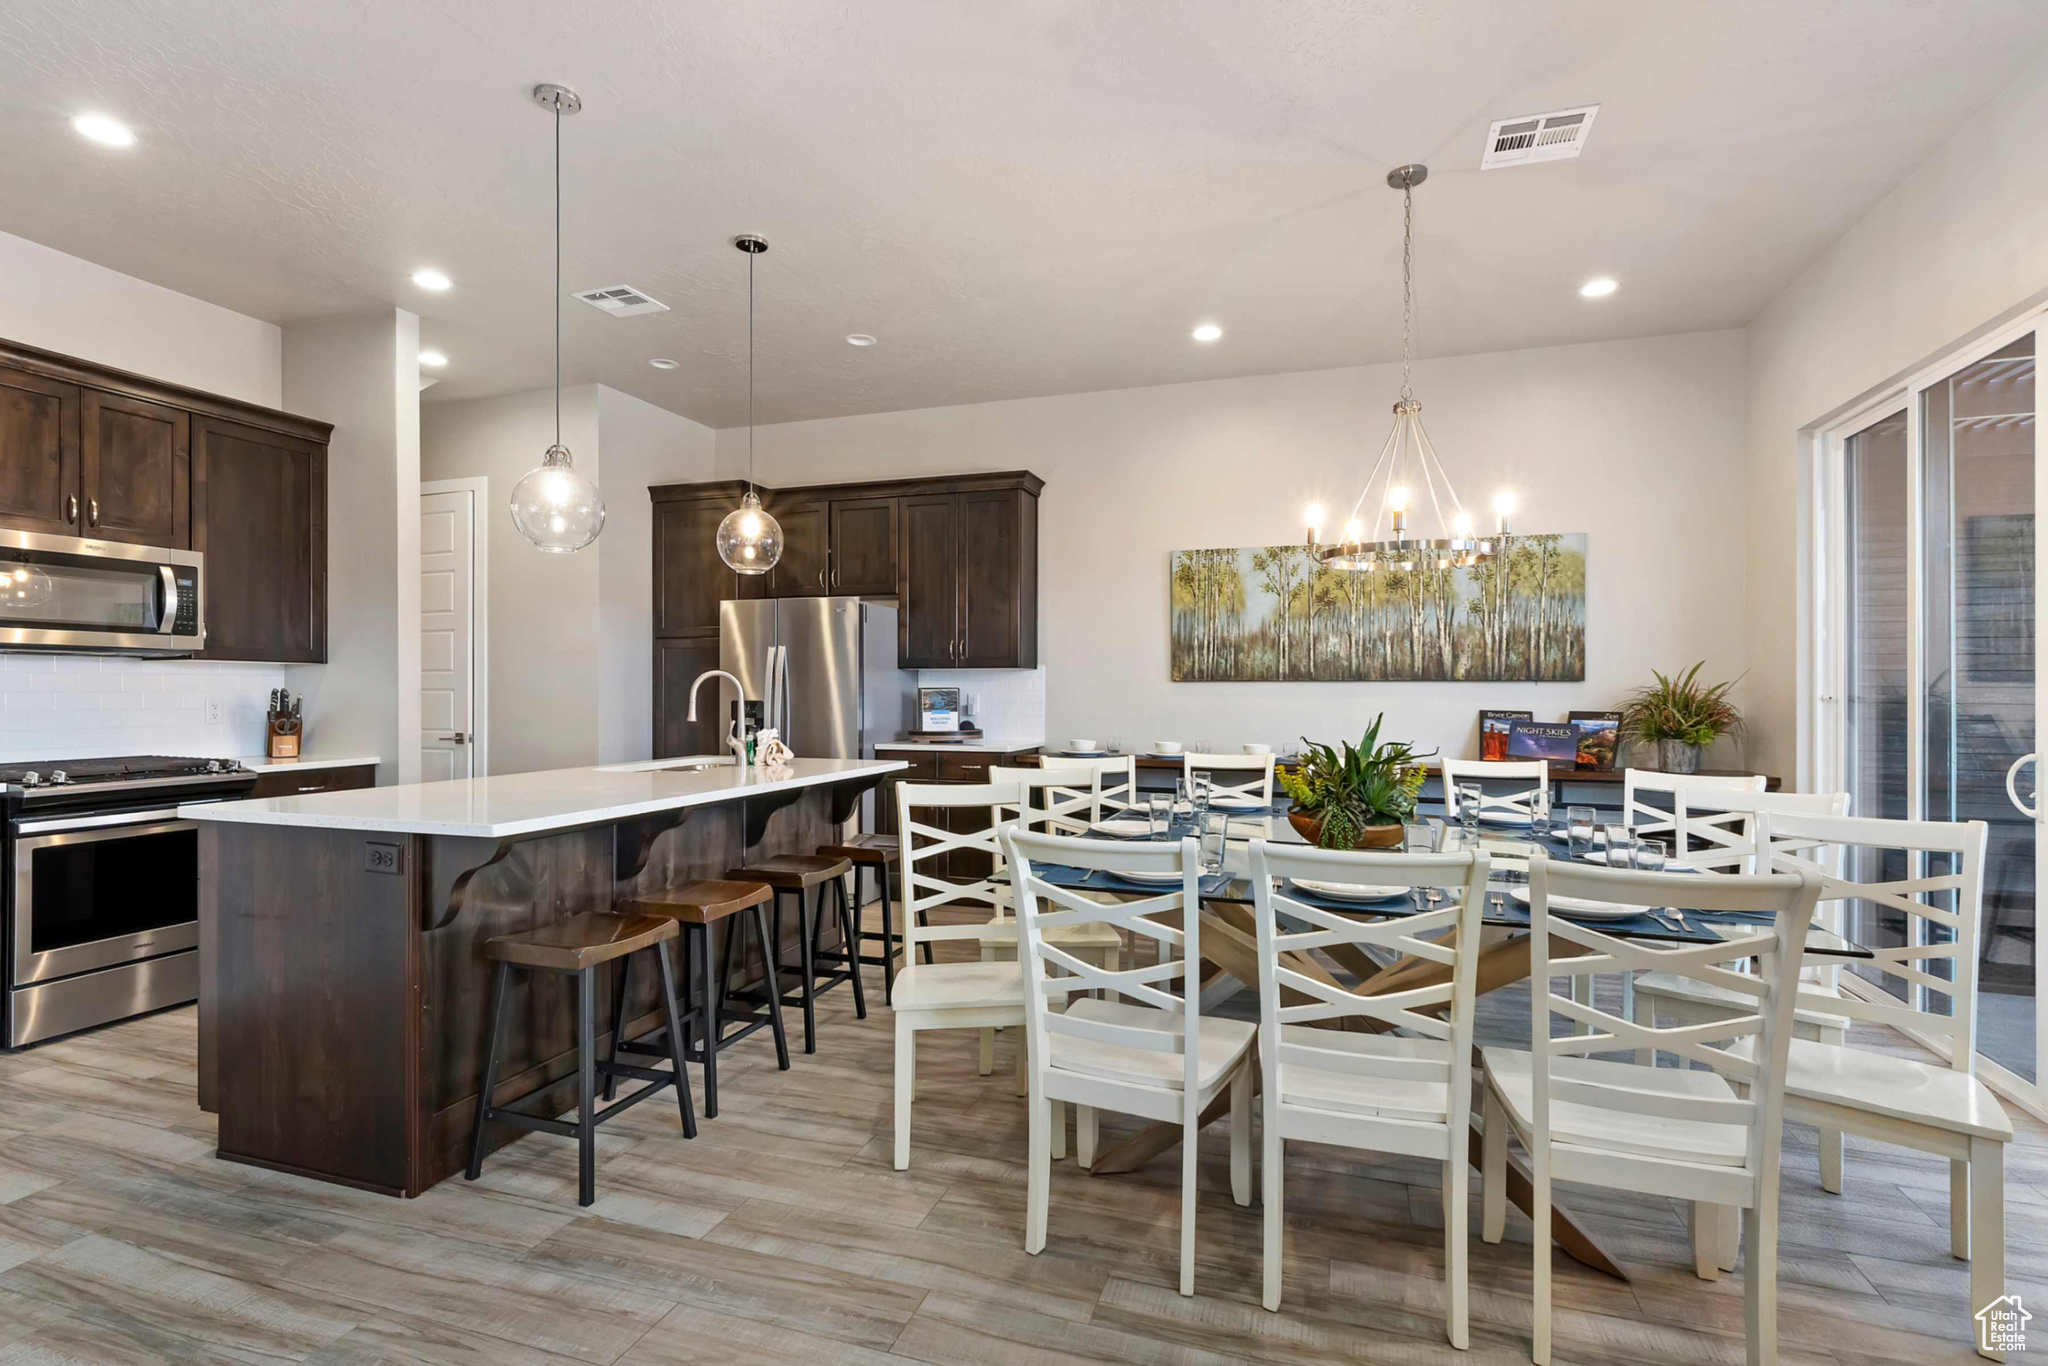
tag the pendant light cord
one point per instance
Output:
(750, 371)
(1407, 285)
(558, 270)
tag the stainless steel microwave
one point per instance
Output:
(81, 596)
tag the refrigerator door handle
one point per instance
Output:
(788, 702)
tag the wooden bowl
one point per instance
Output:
(1310, 827)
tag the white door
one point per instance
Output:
(448, 635)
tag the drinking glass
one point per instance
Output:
(1579, 824)
(1215, 827)
(1419, 837)
(1200, 787)
(1621, 846)
(1181, 796)
(1539, 814)
(1469, 797)
(1650, 856)
(1160, 807)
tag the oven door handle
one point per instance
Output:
(60, 824)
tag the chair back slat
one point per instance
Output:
(1234, 775)
(1716, 827)
(1171, 918)
(1294, 991)
(1940, 909)
(1765, 1028)
(1534, 773)
(1055, 801)
(1117, 776)
(924, 843)
(1647, 818)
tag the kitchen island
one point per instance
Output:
(343, 986)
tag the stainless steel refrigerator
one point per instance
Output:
(825, 667)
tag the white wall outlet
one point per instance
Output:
(213, 711)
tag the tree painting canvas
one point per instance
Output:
(1275, 614)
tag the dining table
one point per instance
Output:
(1229, 945)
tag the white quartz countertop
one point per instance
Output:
(985, 745)
(531, 803)
(260, 764)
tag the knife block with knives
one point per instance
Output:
(285, 723)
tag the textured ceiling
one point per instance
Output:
(1032, 197)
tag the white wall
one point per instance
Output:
(62, 303)
(544, 655)
(58, 708)
(1959, 244)
(1639, 443)
(642, 445)
(362, 374)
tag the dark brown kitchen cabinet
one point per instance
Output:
(259, 515)
(690, 580)
(803, 571)
(998, 580)
(38, 454)
(136, 470)
(864, 532)
(928, 583)
(677, 663)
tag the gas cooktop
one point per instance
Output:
(130, 771)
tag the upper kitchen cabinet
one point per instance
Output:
(100, 453)
(863, 545)
(136, 470)
(804, 571)
(967, 561)
(38, 454)
(259, 515)
(690, 580)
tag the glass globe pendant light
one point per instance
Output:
(749, 539)
(554, 506)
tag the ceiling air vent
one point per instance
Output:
(1538, 137)
(622, 301)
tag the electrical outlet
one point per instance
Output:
(213, 711)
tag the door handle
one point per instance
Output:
(72, 514)
(457, 738)
(92, 512)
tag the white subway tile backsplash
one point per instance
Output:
(1008, 704)
(85, 706)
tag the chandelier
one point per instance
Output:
(1443, 535)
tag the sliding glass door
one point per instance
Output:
(1927, 606)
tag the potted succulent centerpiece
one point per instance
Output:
(1354, 797)
(1679, 717)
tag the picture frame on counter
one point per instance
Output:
(938, 710)
(1554, 742)
(1599, 735)
(1493, 732)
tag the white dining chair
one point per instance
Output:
(1242, 776)
(1717, 831)
(978, 993)
(1512, 807)
(1152, 1053)
(1052, 802)
(1648, 818)
(1409, 1092)
(1662, 1132)
(1116, 777)
(1930, 1106)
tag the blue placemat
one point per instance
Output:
(1096, 879)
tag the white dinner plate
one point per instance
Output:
(1123, 829)
(1670, 865)
(1351, 891)
(1084, 754)
(1237, 804)
(1152, 879)
(1575, 909)
(1503, 817)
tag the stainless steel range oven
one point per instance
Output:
(69, 593)
(103, 891)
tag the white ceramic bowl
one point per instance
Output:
(1080, 744)
(1166, 747)
(1258, 749)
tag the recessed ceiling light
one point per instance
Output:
(431, 279)
(101, 129)
(664, 363)
(859, 339)
(1598, 288)
(433, 358)
(1207, 332)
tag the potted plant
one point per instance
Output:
(1356, 797)
(1680, 716)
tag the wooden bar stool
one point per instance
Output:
(798, 874)
(875, 852)
(578, 944)
(695, 907)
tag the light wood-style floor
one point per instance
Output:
(782, 1236)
